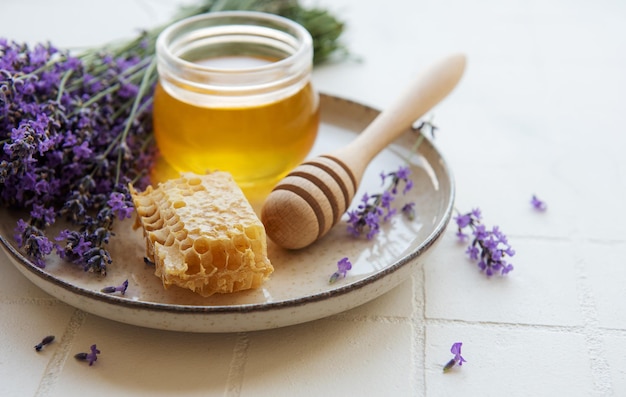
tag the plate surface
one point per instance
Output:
(298, 290)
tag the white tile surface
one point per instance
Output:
(326, 361)
(22, 369)
(138, 361)
(605, 276)
(16, 288)
(540, 110)
(507, 361)
(537, 292)
(617, 361)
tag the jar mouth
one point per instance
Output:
(183, 46)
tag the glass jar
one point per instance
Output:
(235, 94)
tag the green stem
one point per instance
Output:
(46, 66)
(143, 88)
(117, 139)
(123, 108)
(76, 83)
(111, 89)
(138, 176)
(66, 76)
(417, 143)
(99, 96)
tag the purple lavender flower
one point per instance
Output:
(46, 216)
(75, 248)
(490, 248)
(402, 173)
(377, 208)
(120, 205)
(120, 288)
(82, 151)
(457, 360)
(34, 241)
(408, 210)
(90, 357)
(537, 204)
(463, 220)
(342, 268)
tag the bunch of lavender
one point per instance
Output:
(375, 209)
(489, 247)
(76, 131)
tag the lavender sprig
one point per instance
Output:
(375, 209)
(488, 247)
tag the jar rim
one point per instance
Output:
(301, 34)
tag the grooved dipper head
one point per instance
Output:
(308, 202)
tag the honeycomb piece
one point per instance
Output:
(202, 234)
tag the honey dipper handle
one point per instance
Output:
(311, 199)
(428, 89)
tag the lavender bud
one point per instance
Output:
(45, 341)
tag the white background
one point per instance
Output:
(541, 110)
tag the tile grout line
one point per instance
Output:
(575, 329)
(600, 369)
(342, 317)
(505, 325)
(614, 331)
(418, 325)
(370, 318)
(234, 380)
(56, 363)
(32, 301)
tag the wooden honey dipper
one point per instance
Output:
(311, 199)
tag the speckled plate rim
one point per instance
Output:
(438, 230)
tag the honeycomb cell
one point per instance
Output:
(202, 245)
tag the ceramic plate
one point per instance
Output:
(298, 290)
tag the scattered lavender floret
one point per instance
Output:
(375, 209)
(538, 204)
(90, 357)
(488, 247)
(457, 359)
(408, 210)
(343, 266)
(112, 289)
(45, 341)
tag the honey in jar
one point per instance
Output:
(235, 94)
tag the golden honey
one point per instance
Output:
(235, 95)
(255, 144)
